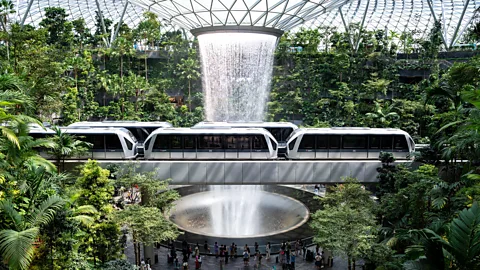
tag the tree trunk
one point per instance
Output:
(135, 249)
(146, 68)
(349, 266)
(189, 97)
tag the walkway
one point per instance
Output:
(212, 263)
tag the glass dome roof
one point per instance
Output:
(111, 9)
(416, 16)
(279, 14)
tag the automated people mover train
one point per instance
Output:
(237, 141)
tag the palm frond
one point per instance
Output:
(85, 220)
(45, 212)
(17, 247)
(10, 135)
(7, 207)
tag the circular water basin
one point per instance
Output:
(238, 212)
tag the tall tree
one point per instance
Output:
(346, 224)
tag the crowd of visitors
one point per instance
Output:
(288, 253)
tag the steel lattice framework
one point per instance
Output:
(417, 16)
(279, 14)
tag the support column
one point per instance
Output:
(361, 27)
(26, 13)
(346, 28)
(119, 23)
(104, 29)
(454, 37)
(430, 5)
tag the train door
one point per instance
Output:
(189, 147)
(321, 149)
(354, 147)
(98, 148)
(306, 149)
(210, 147)
(259, 147)
(113, 147)
(400, 147)
(374, 146)
(334, 146)
(244, 147)
(176, 147)
(231, 151)
(160, 147)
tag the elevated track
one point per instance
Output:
(251, 172)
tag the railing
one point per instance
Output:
(274, 247)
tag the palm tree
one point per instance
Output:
(22, 149)
(19, 235)
(383, 115)
(66, 145)
(461, 245)
(189, 71)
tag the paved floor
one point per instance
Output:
(212, 263)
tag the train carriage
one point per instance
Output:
(141, 130)
(217, 144)
(107, 143)
(279, 130)
(348, 143)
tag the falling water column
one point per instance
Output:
(237, 70)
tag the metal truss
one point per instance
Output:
(32, 11)
(415, 16)
(280, 14)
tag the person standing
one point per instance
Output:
(197, 263)
(232, 249)
(215, 249)
(256, 247)
(318, 261)
(206, 248)
(292, 261)
(245, 258)
(197, 250)
(297, 247)
(267, 251)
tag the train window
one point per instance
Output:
(334, 141)
(210, 142)
(276, 133)
(217, 142)
(231, 142)
(400, 142)
(176, 141)
(387, 142)
(308, 142)
(354, 141)
(243, 142)
(286, 133)
(322, 141)
(128, 143)
(113, 142)
(259, 142)
(189, 142)
(161, 142)
(38, 135)
(274, 144)
(374, 142)
(291, 145)
(97, 141)
(147, 144)
(203, 142)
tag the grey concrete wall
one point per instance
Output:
(256, 172)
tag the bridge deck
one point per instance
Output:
(256, 172)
